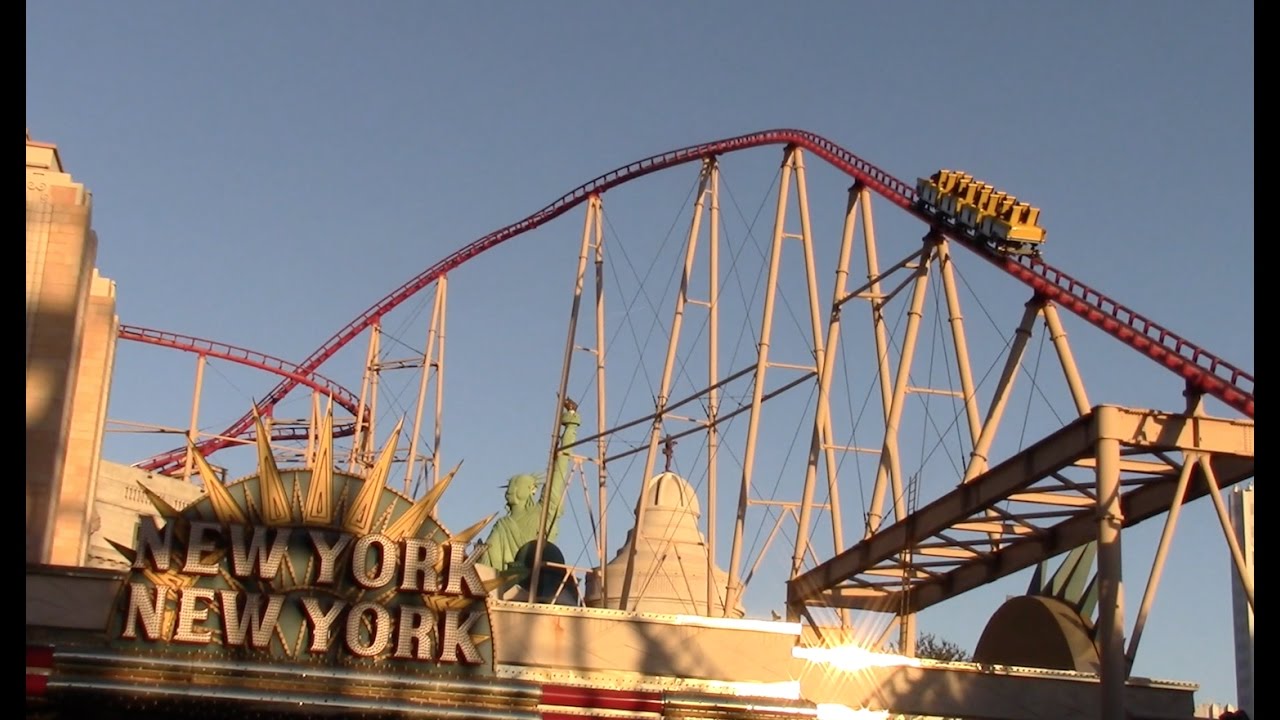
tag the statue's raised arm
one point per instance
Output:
(524, 508)
(569, 422)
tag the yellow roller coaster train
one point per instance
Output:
(980, 212)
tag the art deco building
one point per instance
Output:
(75, 500)
(70, 343)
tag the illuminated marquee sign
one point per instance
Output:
(313, 565)
(374, 563)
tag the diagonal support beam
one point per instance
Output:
(1227, 446)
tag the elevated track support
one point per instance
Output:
(1203, 370)
(1107, 467)
(204, 349)
(1030, 508)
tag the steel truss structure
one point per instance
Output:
(1107, 469)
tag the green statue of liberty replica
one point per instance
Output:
(524, 511)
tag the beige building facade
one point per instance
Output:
(118, 503)
(76, 501)
(71, 327)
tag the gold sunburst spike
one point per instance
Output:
(181, 525)
(172, 578)
(441, 603)
(467, 535)
(319, 504)
(407, 525)
(175, 583)
(462, 539)
(275, 501)
(359, 518)
(224, 505)
(167, 511)
(125, 551)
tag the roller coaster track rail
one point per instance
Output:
(1202, 370)
(341, 396)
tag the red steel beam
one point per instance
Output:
(1202, 370)
(342, 397)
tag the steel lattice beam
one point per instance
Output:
(956, 527)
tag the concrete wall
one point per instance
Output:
(119, 502)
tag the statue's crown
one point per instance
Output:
(536, 478)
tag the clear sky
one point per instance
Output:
(263, 172)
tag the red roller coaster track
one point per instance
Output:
(1202, 370)
(342, 397)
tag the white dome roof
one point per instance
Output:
(670, 570)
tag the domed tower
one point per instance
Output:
(670, 569)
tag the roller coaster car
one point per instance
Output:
(976, 211)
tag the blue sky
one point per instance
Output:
(263, 172)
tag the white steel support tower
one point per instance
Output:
(1241, 612)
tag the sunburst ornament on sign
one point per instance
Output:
(310, 564)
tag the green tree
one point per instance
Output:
(933, 647)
